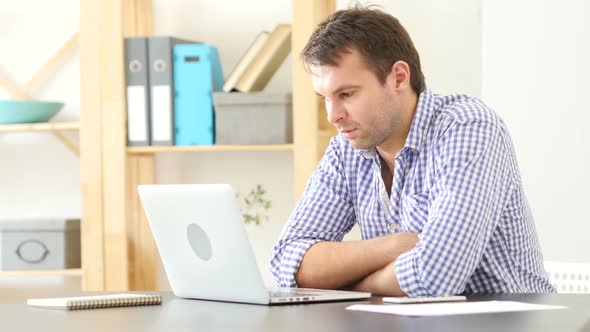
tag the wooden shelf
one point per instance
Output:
(111, 171)
(18, 273)
(208, 148)
(24, 127)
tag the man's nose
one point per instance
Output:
(336, 112)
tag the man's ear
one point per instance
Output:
(400, 74)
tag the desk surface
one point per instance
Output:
(192, 315)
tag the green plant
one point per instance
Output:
(255, 206)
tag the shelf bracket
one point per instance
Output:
(69, 144)
(52, 62)
(19, 93)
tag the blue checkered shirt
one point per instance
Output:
(456, 182)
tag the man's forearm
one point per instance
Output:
(382, 282)
(334, 265)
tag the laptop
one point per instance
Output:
(205, 250)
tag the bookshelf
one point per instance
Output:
(32, 127)
(209, 148)
(54, 127)
(118, 252)
(21, 273)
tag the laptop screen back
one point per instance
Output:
(202, 242)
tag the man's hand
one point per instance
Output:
(335, 265)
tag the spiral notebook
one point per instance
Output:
(96, 301)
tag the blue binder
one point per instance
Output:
(197, 74)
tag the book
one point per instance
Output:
(96, 301)
(267, 60)
(245, 61)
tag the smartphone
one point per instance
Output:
(424, 299)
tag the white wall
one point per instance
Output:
(447, 34)
(454, 53)
(536, 74)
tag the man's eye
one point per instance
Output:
(346, 94)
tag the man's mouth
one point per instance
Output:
(348, 133)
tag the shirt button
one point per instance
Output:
(392, 227)
(294, 223)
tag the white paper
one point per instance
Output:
(444, 309)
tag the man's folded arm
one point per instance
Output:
(336, 265)
(382, 282)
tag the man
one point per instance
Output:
(431, 180)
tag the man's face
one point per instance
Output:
(364, 111)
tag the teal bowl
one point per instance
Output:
(27, 111)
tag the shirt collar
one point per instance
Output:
(422, 120)
(419, 127)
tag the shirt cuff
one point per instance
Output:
(291, 257)
(408, 277)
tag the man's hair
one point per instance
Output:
(378, 36)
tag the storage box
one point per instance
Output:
(253, 118)
(39, 244)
